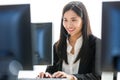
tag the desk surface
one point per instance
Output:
(32, 73)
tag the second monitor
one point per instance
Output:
(110, 60)
(42, 43)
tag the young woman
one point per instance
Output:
(74, 52)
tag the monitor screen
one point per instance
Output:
(42, 43)
(110, 36)
(15, 40)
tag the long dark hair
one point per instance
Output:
(61, 47)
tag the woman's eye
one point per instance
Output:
(73, 20)
(64, 20)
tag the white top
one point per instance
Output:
(71, 67)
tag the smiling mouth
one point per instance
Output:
(70, 30)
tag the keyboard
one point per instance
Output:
(42, 79)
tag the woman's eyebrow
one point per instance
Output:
(73, 17)
(70, 18)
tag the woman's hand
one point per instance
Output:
(60, 74)
(44, 75)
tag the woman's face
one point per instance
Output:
(72, 23)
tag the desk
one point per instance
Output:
(110, 76)
(32, 73)
(118, 76)
(107, 76)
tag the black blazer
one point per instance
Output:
(87, 62)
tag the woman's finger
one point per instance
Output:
(48, 75)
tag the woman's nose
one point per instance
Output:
(69, 24)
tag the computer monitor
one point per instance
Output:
(15, 40)
(110, 59)
(42, 43)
